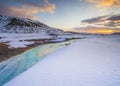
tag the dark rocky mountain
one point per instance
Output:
(24, 25)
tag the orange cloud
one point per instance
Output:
(30, 12)
(28, 9)
(105, 3)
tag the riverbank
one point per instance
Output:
(6, 52)
(14, 44)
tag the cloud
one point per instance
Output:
(111, 21)
(102, 24)
(27, 9)
(105, 3)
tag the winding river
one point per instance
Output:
(20, 63)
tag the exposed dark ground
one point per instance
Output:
(6, 53)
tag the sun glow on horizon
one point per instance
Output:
(101, 31)
(104, 31)
(97, 31)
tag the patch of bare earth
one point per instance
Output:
(6, 52)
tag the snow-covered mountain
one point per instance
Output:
(24, 25)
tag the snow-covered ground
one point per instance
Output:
(86, 62)
(18, 40)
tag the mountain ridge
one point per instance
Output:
(23, 25)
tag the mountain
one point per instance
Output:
(21, 32)
(24, 25)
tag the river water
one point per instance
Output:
(20, 63)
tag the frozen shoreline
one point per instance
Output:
(86, 62)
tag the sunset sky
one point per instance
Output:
(91, 16)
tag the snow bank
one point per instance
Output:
(17, 40)
(86, 62)
(20, 40)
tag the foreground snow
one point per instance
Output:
(86, 62)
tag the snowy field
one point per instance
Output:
(20, 40)
(86, 62)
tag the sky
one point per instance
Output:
(91, 16)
